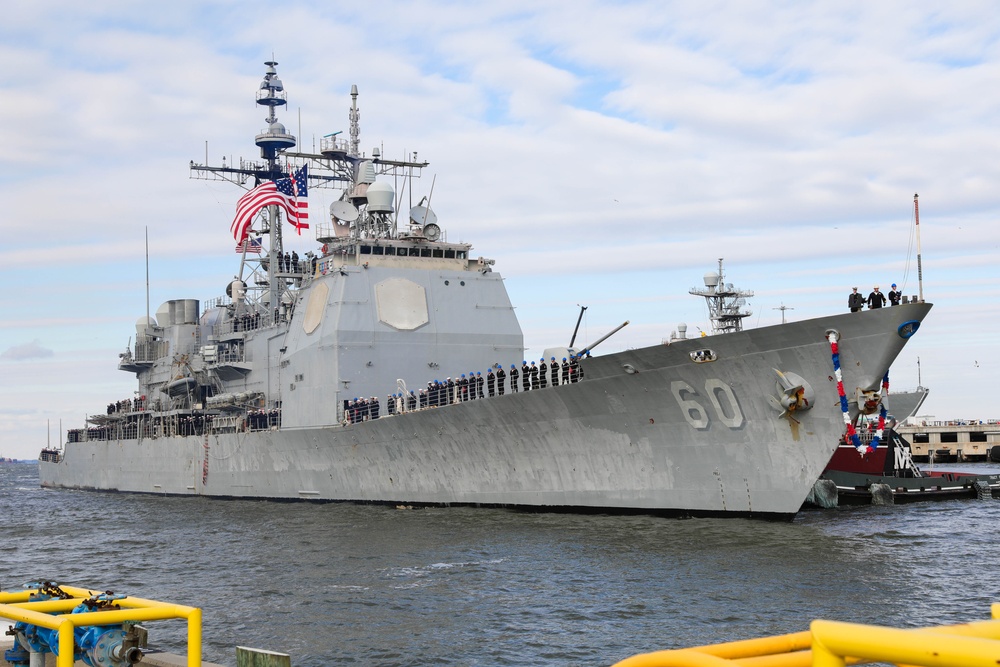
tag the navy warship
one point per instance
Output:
(338, 376)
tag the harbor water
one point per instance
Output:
(342, 584)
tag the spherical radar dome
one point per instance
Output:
(380, 197)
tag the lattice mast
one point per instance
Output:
(249, 174)
(271, 141)
(365, 210)
(726, 304)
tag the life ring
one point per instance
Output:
(324, 248)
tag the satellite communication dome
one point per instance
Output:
(163, 313)
(144, 324)
(711, 279)
(380, 196)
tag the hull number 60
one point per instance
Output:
(719, 394)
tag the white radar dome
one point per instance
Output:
(380, 197)
(144, 324)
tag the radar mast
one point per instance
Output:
(265, 286)
(272, 141)
(725, 303)
(366, 209)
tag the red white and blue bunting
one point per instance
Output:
(852, 434)
(881, 412)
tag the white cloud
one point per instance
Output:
(32, 350)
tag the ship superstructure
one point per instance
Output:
(379, 368)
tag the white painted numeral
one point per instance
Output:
(714, 387)
(692, 410)
(695, 413)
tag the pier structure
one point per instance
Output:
(957, 440)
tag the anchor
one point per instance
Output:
(794, 394)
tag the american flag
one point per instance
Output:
(251, 245)
(288, 193)
(295, 190)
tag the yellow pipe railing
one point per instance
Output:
(833, 640)
(835, 644)
(55, 615)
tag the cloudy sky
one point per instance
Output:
(604, 154)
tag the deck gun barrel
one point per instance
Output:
(588, 348)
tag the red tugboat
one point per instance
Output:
(886, 474)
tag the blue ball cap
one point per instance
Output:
(564, 358)
(463, 374)
(478, 373)
(512, 365)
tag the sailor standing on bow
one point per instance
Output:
(876, 299)
(855, 301)
(895, 296)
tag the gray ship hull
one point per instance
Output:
(903, 405)
(647, 430)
